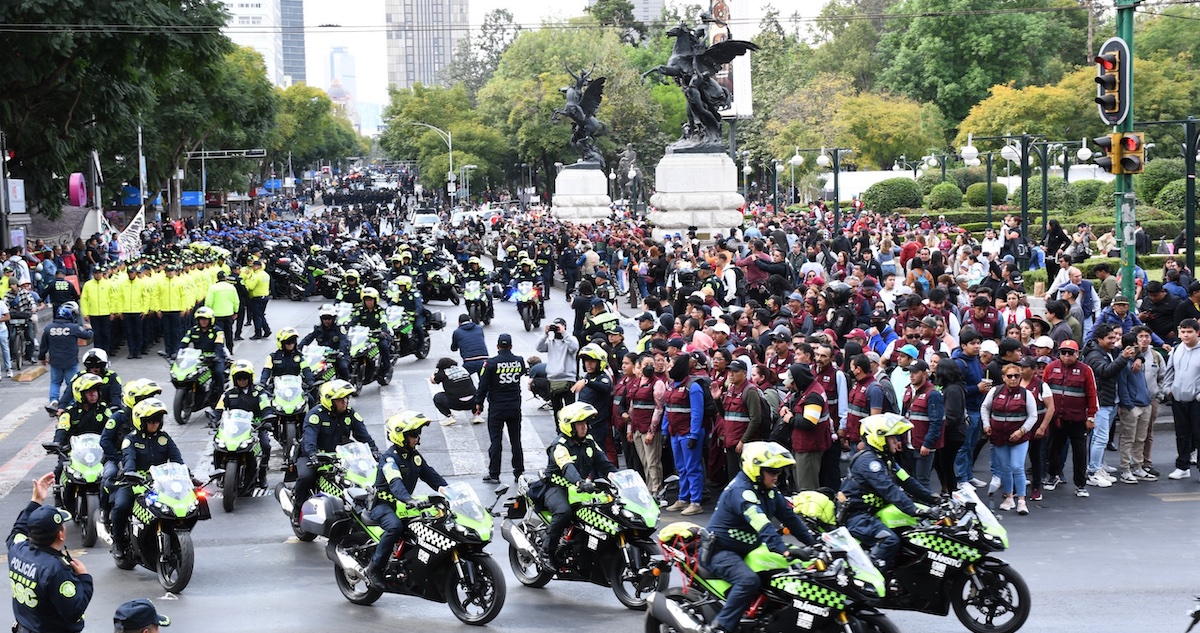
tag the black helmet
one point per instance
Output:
(838, 293)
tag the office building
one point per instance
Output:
(292, 14)
(342, 70)
(257, 24)
(421, 38)
(644, 11)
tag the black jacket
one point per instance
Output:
(1107, 366)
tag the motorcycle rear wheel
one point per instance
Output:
(527, 317)
(526, 568)
(624, 580)
(679, 596)
(474, 310)
(486, 595)
(184, 405)
(423, 351)
(455, 298)
(175, 566)
(354, 587)
(875, 623)
(978, 610)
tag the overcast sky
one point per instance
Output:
(370, 48)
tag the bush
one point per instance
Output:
(964, 177)
(1108, 191)
(1031, 278)
(947, 195)
(886, 195)
(930, 179)
(1087, 191)
(977, 194)
(1060, 196)
(1157, 174)
(1173, 197)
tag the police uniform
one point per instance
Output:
(139, 451)
(48, 596)
(110, 389)
(78, 419)
(332, 338)
(869, 486)
(571, 461)
(255, 400)
(739, 524)
(284, 363)
(324, 431)
(376, 320)
(115, 429)
(62, 291)
(500, 387)
(350, 294)
(209, 341)
(400, 467)
(598, 392)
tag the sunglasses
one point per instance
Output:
(912, 337)
(1007, 376)
(416, 433)
(1066, 352)
(772, 471)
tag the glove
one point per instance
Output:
(586, 486)
(800, 552)
(929, 513)
(312, 462)
(691, 443)
(419, 504)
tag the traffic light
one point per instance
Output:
(1133, 152)
(1113, 83)
(1110, 153)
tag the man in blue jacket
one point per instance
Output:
(468, 341)
(60, 342)
(976, 386)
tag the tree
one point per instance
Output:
(1048, 110)
(947, 52)
(848, 39)
(476, 57)
(880, 128)
(432, 105)
(1169, 33)
(307, 128)
(619, 15)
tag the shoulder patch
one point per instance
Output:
(67, 589)
(750, 496)
(125, 444)
(875, 466)
(313, 419)
(417, 459)
(111, 424)
(162, 440)
(589, 451)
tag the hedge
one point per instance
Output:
(1157, 173)
(930, 179)
(1087, 191)
(1060, 196)
(946, 195)
(1031, 277)
(977, 194)
(886, 195)
(1173, 197)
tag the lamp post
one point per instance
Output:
(795, 161)
(746, 171)
(612, 183)
(467, 181)
(778, 165)
(448, 139)
(832, 157)
(636, 188)
(1014, 153)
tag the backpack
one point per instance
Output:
(770, 402)
(781, 432)
(1021, 249)
(739, 277)
(710, 404)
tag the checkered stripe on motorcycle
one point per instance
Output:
(143, 513)
(945, 546)
(808, 591)
(750, 538)
(328, 487)
(431, 537)
(597, 520)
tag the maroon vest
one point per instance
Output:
(678, 408)
(735, 417)
(1068, 385)
(916, 403)
(1008, 415)
(805, 437)
(858, 407)
(641, 404)
(827, 378)
(989, 326)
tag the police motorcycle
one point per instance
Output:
(327, 278)
(290, 403)
(440, 555)
(364, 358)
(322, 362)
(351, 466)
(295, 282)
(528, 296)
(166, 507)
(831, 593)
(607, 543)
(478, 301)
(344, 310)
(192, 375)
(441, 283)
(236, 446)
(80, 482)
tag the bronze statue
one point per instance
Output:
(693, 64)
(583, 100)
(627, 164)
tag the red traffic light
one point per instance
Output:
(1131, 143)
(1108, 61)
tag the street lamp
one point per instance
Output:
(467, 181)
(448, 139)
(833, 159)
(746, 171)
(795, 161)
(778, 164)
(612, 183)
(635, 187)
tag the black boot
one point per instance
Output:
(262, 475)
(375, 575)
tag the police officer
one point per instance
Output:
(120, 424)
(327, 426)
(742, 521)
(244, 395)
(210, 339)
(596, 389)
(61, 290)
(351, 292)
(575, 459)
(60, 341)
(148, 445)
(400, 467)
(410, 299)
(328, 334)
(221, 304)
(475, 272)
(95, 363)
(50, 589)
(871, 484)
(86, 415)
(372, 316)
(500, 387)
(138, 616)
(286, 360)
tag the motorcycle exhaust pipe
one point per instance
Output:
(517, 538)
(346, 561)
(284, 496)
(669, 612)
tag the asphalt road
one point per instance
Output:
(1124, 559)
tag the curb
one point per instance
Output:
(29, 374)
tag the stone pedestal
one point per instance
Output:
(697, 190)
(581, 194)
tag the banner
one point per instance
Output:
(131, 238)
(735, 76)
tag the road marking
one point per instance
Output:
(1172, 497)
(462, 447)
(19, 416)
(17, 469)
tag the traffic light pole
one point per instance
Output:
(1125, 220)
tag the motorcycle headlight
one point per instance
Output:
(245, 444)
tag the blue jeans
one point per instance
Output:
(58, 377)
(1010, 461)
(745, 585)
(4, 354)
(1104, 420)
(964, 462)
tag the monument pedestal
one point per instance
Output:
(581, 194)
(697, 190)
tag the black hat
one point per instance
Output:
(220, 274)
(879, 315)
(136, 615)
(736, 365)
(645, 316)
(705, 266)
(504, 340)
(676, 342)
(45, 523)
(916, 365)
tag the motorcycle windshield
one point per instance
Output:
(525, 290)
(236, 427)
(991, 525)
(394, 316)
(314, 355)
(186, 361)
(343, 312)
(358, 463)
(86, 453)
(468, 510)
(472, 289)
(288, 391)
(865, 571)
(172, 486)
(358, 336)
(632, 490)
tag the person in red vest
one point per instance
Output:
(1009, 414)
(1075, 405)
(925, 409)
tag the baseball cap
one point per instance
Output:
(990, 347)
(597, 301)
(721, 326)
(138, 614)
(795, 296)
(929, 322)
(705, 266)
(1044, 341)
(917, 365)
(910, 350)
(857, 333)
(220, 274)
(1044, 360)
(1069, 344)
(879, 315)
(645, 316)
(1073, 289)
(700, 358)
(1120, 299)
(874, 357)
(676, 342)
(1028, 361)
(737, 365)
(504, 340)
(45, 522)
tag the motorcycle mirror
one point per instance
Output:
(501, 489)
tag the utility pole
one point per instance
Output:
(1126, 218)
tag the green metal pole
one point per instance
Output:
(944, 167)
(1025, 185)
(989, 189)
(1042, 154)
(1124, 197)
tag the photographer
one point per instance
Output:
(560, 351)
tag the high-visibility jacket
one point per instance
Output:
(222, 298)
(94, 300)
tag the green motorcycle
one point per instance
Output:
(607, 543)
(192, 375)
(351, 466)
(80, 483)
(236, 447)
(290, 404)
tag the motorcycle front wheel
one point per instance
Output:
(354, 587)
(176, 563)
(625, 578)
(527, 317)
(229, 486)
(474, 310)
(1001, 606)
(874, 623)
(185, 405)
(685, 599)
(454, 296)
(91, 525)
(478, 598)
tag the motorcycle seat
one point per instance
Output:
(706, 573)
(358, 495)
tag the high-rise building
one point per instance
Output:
(421, 38)
(342, 70)
(644, 11)
(292, 14)
(257, 24)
